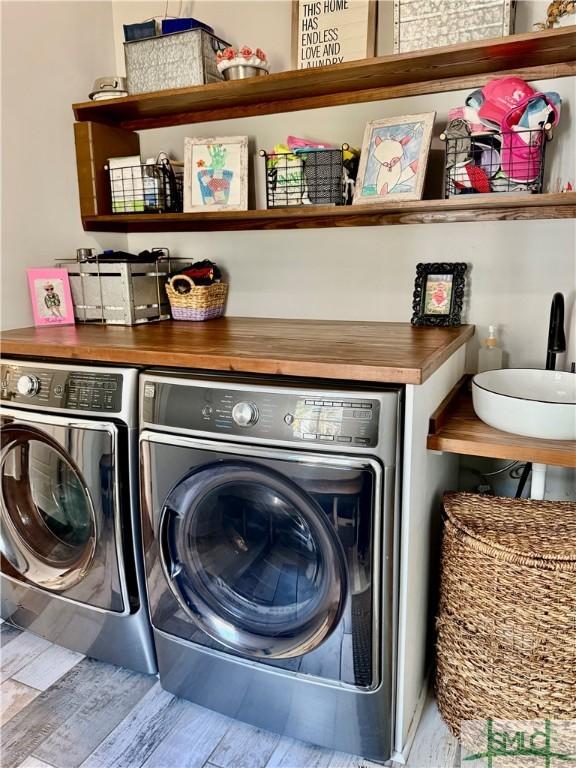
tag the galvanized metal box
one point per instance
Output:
(118, 293)
(420, 24)
(178, 60)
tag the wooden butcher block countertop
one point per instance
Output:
(351, 351)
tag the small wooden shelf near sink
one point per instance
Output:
(455, 428)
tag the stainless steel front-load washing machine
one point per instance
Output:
(70, 555)
(269, 527)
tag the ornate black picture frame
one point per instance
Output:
(438, 294)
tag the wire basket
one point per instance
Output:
(305, 177)
(189, 301)
(120, 292)
(488, 162)
(146, 188)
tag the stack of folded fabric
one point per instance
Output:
(495, 142)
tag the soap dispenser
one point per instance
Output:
(490, 354)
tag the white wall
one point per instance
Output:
(51, 54)
(368, 273)
(267, 23)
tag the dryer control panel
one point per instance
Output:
(56, 387)
(287, 415)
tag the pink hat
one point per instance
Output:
(522, 155)
(503, 95)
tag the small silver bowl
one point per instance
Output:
(112, 84)
(243, 71)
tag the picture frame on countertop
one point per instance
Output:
(216, 174)
(329, 32)
(50, 296)
(394, 158)
(439, 294)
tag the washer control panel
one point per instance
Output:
(62, 389)
(290, 415)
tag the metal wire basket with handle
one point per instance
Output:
(147, 187)
(308, 176)
(496, 162)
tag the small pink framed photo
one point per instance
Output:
(50, 296)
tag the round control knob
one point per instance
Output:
(245, 414)
(28, 385)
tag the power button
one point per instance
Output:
(207, 411)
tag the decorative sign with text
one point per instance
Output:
(328, 32)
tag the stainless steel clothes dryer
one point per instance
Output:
(268, 521)
(71, 561)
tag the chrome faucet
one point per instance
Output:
(556, 337)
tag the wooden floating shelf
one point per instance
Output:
(494, 207)
(455, 428)
(108, 129)
(535, 55)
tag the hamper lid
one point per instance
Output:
(527, 528)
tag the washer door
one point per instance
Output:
(253, 559)
(48, 524)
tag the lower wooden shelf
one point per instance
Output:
(455, 428)
(494, 207)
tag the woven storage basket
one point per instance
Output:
(201, 302)
(506, 645)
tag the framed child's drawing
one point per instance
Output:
(50, 296)
(393, 160)
(216, 174)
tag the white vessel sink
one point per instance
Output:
(528, 402)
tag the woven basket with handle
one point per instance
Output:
(200, 302)
(506, 643)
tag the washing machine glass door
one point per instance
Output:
(48, 520)
(253, 559)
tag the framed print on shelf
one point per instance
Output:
(393, 159)
(50, 296)
(332, 31)
(438, 294)
(216, 174)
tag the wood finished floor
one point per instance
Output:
(60, 709)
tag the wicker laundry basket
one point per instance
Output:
(506, 644)
(200, 302)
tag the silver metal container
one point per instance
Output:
(178, 60)
(420, 24)
(120, 293)
(242, 71)
(108, 87)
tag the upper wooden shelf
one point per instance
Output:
(493, 207)
(455, 428)
(535, 55)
